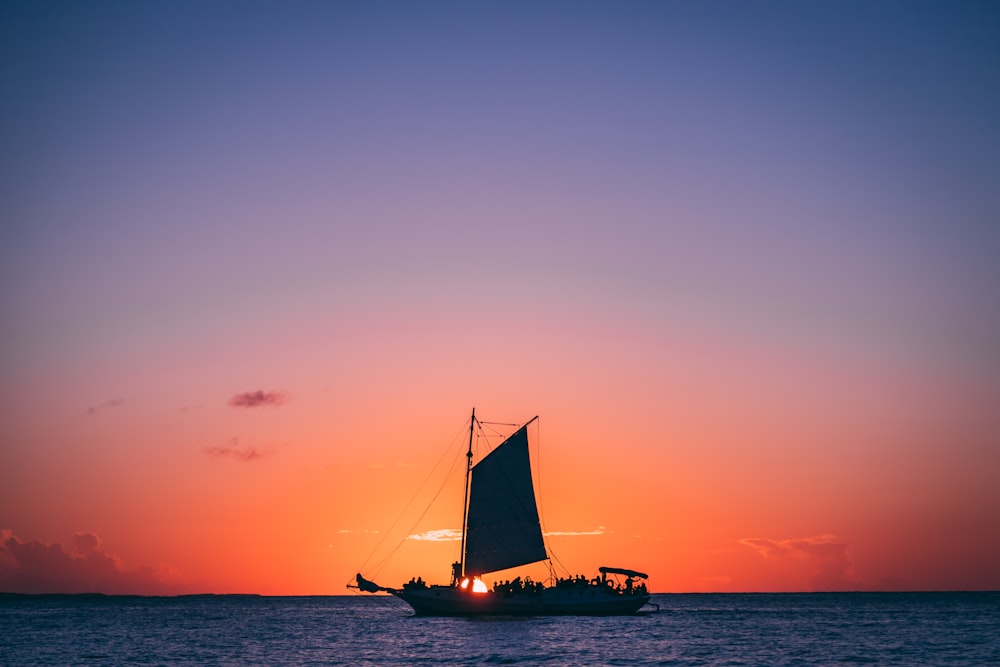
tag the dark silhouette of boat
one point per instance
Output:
(501, 530)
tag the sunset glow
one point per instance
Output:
(258, 262)
(478, 586)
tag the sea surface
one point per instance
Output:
(695, 629)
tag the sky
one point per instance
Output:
(258, 261)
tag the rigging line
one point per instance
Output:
(476, 434)
(541, 511)
(485, 437)
(378, 566)
(556, 563)
(410, 502)
(554, 557)
(451, 471)
(510, 486)
(538, 470)
(494, 434)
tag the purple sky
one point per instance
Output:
(830, 163)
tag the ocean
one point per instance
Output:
(691, 629)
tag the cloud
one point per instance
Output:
(454, 534)
(440, 535)
(600, 530)
(829, 557)
(39, 567)
(85, 544)
(245, 454)
(254, 399)
(113, 403)
(363, 531)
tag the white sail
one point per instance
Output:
(503, 530)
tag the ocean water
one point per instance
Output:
(697, 629)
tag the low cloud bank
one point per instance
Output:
(829, 557)
(80, 567)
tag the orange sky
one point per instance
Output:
(711, 468)
(257, 266)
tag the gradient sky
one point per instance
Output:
(259, 260)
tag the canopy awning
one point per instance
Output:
(619, 570)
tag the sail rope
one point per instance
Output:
(483, 438)
(505, 477)
(541, 509)
(378, 566)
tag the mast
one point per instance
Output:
(465, 503)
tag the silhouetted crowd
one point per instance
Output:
(526, 585)
(578, 582)
(518, 586)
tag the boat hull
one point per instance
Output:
(590, 601)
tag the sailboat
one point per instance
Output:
(501, 530)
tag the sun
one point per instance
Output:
(478, 585)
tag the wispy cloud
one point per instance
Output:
(234, 451)
(254, 399)
(829, 555)
(113, 403)
(454, 534)
(440, 535)
(82, 567)
(356, 531)
(600, 530)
